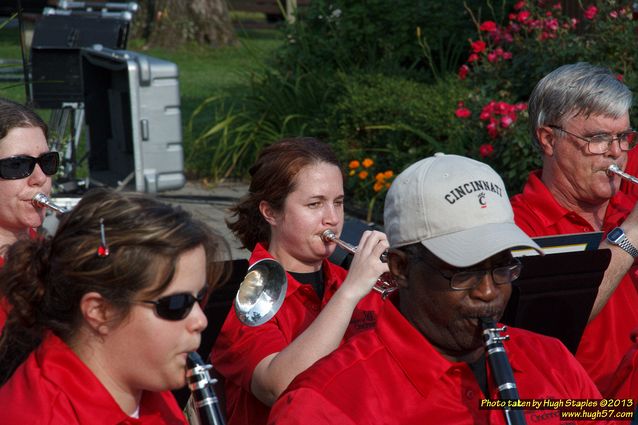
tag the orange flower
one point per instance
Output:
(363, 175)
(377, 187)
(387, 185)
(388, 174)
(380, 177)
(353, 164)
(368, 162)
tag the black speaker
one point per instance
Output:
(55, 53)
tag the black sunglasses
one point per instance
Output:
(21, 166)
(177, 306)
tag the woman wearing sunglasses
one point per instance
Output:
(104, 313)
(26, 167)
(296, 193)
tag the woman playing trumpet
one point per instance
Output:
(104, 313)
(26, 167)
(295, 194)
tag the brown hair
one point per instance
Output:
(44, 279)
(272, 179)
(14, 115)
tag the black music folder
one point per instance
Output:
(555, 293)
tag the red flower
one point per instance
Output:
(472, 58)
(619, 77)
(463, 112)
(492, 57)
(523, 15)
(488, 26)
(519, 5)
(486, 150)
(478, 46)
(506, 121)
(590, 12)
(463, 70)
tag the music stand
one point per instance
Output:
(555, 294)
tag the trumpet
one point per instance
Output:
(384, 286)
(261, 293)
(40, 200)
(615, 169)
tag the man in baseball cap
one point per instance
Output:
(451, 231)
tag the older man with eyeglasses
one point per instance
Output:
(579, 120)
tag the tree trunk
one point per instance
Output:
(171, 23)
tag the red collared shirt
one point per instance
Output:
(4, 306)
(606, 338)
(54, 387)
(239, 348)
(393, 375)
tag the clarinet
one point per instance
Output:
(501, 369)
(203, 405)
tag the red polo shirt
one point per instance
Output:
(239, 348)
(393, 375)
(626, 186)
(606, 338)
(54, 387)
(4, 307)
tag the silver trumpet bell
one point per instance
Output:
(615, 169)
(40, 200)
(261, 293)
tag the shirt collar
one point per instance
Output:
(420, 361)
(537, 193)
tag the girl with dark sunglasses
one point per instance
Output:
(296, 193)
(104, 313)
(26, 167)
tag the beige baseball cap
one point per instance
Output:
(456, 207)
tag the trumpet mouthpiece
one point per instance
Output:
(40, 200)
(613, 168)
(328, 235)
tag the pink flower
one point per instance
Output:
(463, 70)
(523, 15)
(519, 5)
(488, 26)
(492, 131)
(590, 12)
(492, 57)
(463, 112)
(486, 150)
(506, 121)
(478, 46)
(613, 14)
(485, 115)
(507, 55)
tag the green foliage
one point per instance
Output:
(395, 120)
(375, 34)
(275, 107)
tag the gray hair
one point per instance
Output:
(576, 89)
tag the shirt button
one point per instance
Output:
(469, 394)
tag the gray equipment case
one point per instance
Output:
(133, 115)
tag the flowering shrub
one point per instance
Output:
(508, 56)
(366, 185)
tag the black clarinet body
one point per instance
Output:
(205, 404)
(501, 369)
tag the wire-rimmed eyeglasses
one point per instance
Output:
(466, 280)
(600, 143)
